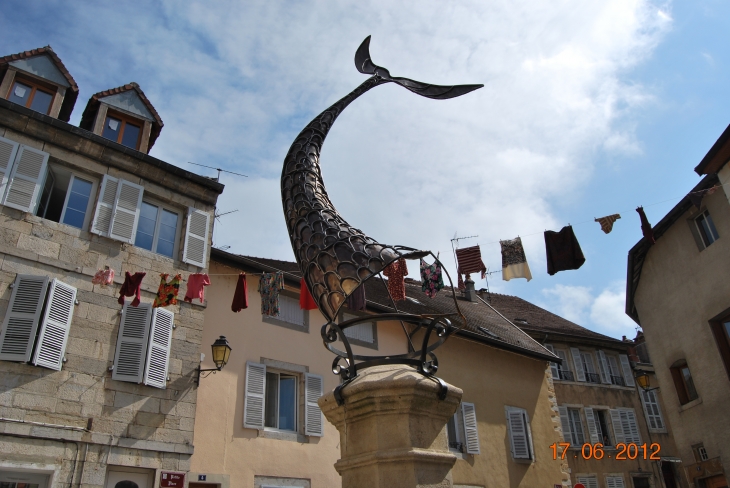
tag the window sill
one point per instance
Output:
(274, 321)
(283, 435)
(586, 383)
(691, 404)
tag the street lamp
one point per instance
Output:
(643, 379)
(221, 353)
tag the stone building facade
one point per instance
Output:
(93, 393)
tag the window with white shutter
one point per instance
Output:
(253, 405)
(618, 430)
(589, 481)
(471, 428)
(519, 433)
(626, 367)
(26, 179)
(55, 326)
(21, 320)
(313, 418)
(126, 211)
(553, 366)
(576, 427)
(158, 352)
(134, 331)
(290, 311)
(105, 206)
(652, 410)
(629, 425)
(578, 362)
(8, 151)
(614, 482)
(591, 421)
(196, 237)
(603, 368)
(565, 422)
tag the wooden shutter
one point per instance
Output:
(519, 440)
(565, 421)
(105, 206)
(289, 310)
(55, 325)
(471, 428)
(603, 368)
(196, 237)
(618, 430)
(26, 178)
(553, 366)
(588, 481)
(629, 425)
(134, 332)
(614, 482)
(313, 419)
(577, 360)
(158, 352)
(591, 421)
(652, 410)
(626, 367)
(126, 211)
(8, 151)
(253, 405)
(21, 319)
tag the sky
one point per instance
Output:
(588, 109)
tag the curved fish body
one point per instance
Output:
(334, 257)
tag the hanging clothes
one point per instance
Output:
(396, 273)
(562, 250)
(270, 285)
(645, 226)
(306, 301)
(356, 300)
(131, 287)
(514, 261)
(607, 222)
(696, 197)
(167, 292)
(196, 287)
(240, 296)
(469, 260)
(432, 279)
(103, 277)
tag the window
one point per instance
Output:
(273, 398)
(518, 424)
(590, 370)
(706, 228)
(576, 427)
(625, 428)
(66, 197)
(362, 334)
(651, 408)
(32, 332)
(601, 421)
(455, 433)
(683, 382)
(616, 377)
(615, 482)
(31, 95)
(157, 229)
(123, 130)
(721, 331)
(22, 479)
(291, 315)
(462, 430)
(22, 169)
(143, 345)
(564, 372)
(588, 481)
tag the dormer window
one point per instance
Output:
(122, 130)
(31, 95)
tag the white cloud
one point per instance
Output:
(603, 313)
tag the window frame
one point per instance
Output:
(458, 432)
(178, 228)
(704, 238)
(721, 332)
(74, 174)
(283, 323)
(573, 432)
(680, 384)
(124, 119)
(373, 324)
(34, 84)
(297, 379)
(528, 433)
(592, 362)
(649, 415)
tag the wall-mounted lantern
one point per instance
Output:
(643, 380)
(221, 353)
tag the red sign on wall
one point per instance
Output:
(169, 479)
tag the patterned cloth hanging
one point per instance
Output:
(396, 272)
(646, 226)
(432, 279)
(167, 292)
(240, 296)
(196, 287)
(103, 277)
(562, 250)
(607, 222)
(270, 285)
(514, 261)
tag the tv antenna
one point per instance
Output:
(218, 170)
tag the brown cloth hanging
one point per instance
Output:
(356, 301)
(607, 222)
(131, 287)
(470, 260)
(240, 296)
(646, 226)
(562, 250)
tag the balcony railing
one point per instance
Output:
(618, 380)
(566, 375)
(593, 378)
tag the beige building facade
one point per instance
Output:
(501, 432)
(93, 393)
(678, 292)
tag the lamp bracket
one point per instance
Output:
(208, 370)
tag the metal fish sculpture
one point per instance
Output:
(334, 257)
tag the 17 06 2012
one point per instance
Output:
(623, 451)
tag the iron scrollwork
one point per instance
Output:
(336, 258)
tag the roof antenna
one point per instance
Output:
(218, 178)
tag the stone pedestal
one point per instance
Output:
(393, 430)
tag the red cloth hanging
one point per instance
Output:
(646, 226)
(240, 296)
(131, 287)
(306, 302)
(196, 284)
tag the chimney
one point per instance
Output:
(469, 291)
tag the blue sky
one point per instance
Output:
(588, 109)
